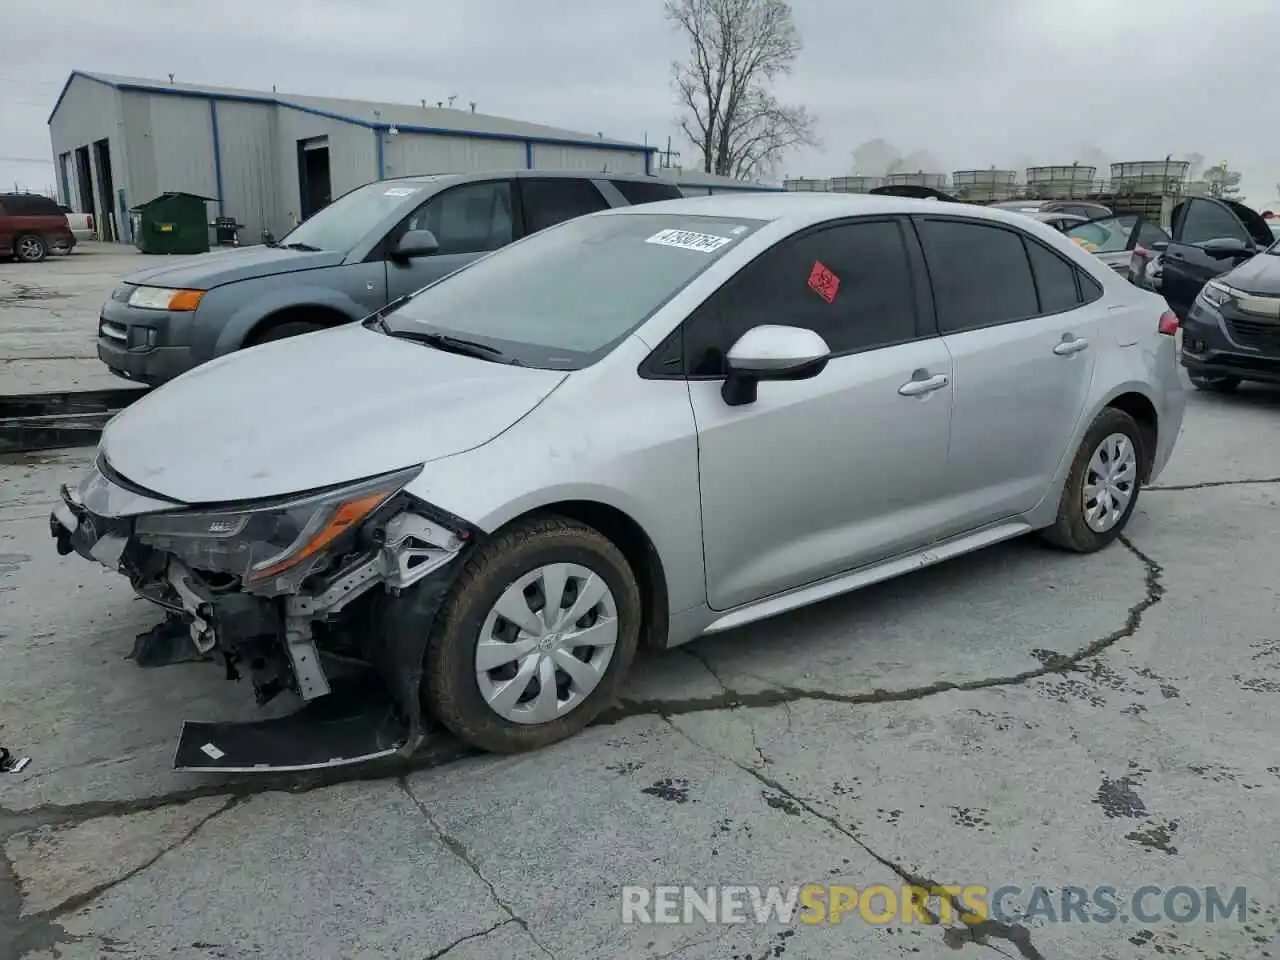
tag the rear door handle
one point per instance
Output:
(918, 388)
(1068, 347)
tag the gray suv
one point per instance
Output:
(372, 245)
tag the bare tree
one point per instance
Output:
(737, 48)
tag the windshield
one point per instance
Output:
(1104, 236)
(564, 297)
(345, 222)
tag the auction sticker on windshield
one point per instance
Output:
(688, 240)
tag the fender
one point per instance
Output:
(273, 299)
(1044, 513)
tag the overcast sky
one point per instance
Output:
(971, 83)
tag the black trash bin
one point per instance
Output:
(171, 223)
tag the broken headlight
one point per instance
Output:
(261, 541)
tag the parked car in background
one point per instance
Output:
(640, 426)
(369, 247)
(1113, 238)
(31, 226)
(1062, 222)
(1208, 237)
(81, 223)
(1080, 208)
(1232, 330)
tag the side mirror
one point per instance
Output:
(770, 352)
(1227, 249)
(415, 243)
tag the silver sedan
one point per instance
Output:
(635, 428)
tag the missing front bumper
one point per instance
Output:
(340, 723)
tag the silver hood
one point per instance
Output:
(313, 411)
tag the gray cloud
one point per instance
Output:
(969, 84)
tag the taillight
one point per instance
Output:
(88, 220)
(1169, 323)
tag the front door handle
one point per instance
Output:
(918, 388)
(1068, 347)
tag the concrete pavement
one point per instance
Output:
(1019, 718)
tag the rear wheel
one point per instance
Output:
(1102, 487)
(534, 638)
(282, 331)
(1215, 384)
(30, 248)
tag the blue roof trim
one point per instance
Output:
(341, 118)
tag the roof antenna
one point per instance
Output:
(424, 103)
(171, 78)
(473, 106)
(440, 104)
(451, 99)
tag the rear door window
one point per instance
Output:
(1055, 279)
(551, 201)
(981, 275)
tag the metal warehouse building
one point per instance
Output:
(272, 159)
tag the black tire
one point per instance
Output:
(283, 331)
(1070, 531)
(450, 690)
(1215, 384)
(29, 248)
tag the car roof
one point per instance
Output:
(524, 174)
(801, 208)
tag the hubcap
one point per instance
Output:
(28, 249)
(546, 643)
(1110, 482)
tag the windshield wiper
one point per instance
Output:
(306, 247)
(459, 345)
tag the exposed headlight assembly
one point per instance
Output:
(165, 298)
(1215, 294)
(284, 538)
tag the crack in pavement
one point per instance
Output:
(973, 931)
(459, 850)
(778, 696)
(40, 931)
(1209, 484)
(469, 937)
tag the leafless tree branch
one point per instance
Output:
(729, 113)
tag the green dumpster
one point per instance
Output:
(171, 223)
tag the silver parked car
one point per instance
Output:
(636, 427)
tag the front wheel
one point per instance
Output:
(1215, 384)
(1102, 486)
(535, 637)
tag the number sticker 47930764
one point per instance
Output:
(689, 240)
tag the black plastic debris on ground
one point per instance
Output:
(54, 421)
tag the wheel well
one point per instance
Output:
(1144, 413)
(629, 537)
(325, 316)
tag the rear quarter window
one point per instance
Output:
(638, 191)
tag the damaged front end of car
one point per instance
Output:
(290, 592)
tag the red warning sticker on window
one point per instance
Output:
(823, 282)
